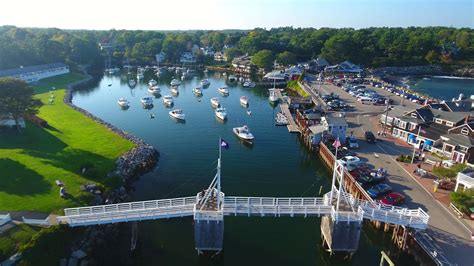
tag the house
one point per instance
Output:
(243, 64)
(465, 178)
(220, 57)
(194, 49)
(8, 121)
(276, 75)
(388, 119)
(335, 125)
(458, 143)
(463, 105)
(207, 51)
(187, 58)
(319, 63)
(32, 74)
(160, 57)
(344, 67)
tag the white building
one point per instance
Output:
(207, 51)
(466, 179)
(32, 74)
(335, 125)
(220, 57)
(160, 57)
(187, 58)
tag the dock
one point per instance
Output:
(285, 108)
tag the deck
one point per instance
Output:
(292, 126)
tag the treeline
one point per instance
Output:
(370, 47)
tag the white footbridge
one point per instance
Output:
(211, 205)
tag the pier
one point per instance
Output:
(292, 126)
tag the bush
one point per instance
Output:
(404, 158)
(450, 172)
(463, 200)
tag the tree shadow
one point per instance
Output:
(18, 179)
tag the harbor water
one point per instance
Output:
(276, 165)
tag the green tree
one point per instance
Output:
(463, 199)
(232, 53)
(263, 59)
(16, 99)
(286, 58)
(431, 57)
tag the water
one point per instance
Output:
(445, 88)
(276, 165)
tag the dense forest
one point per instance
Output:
(369, 47)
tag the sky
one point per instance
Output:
(234, 14)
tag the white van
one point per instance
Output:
(367, 100)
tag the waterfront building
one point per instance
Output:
(220, 57)
(465, 179)
(207, 51)
(187, 58)
(35, 73)
(335, 125)
(344, 67)
(243, 64)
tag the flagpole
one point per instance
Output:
(414, 146)
(333, 176)
(219, 174)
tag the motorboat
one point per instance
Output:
(205, 83)
(221, 113)
(281, 119)
(249, 112)
(197, 91)
(152, 83)
(132, 83)
(154, 89)
(272, 97)
(140, 74)
(174, 90)
(168, 100)
(146, 100)
(243, 133)
(223, 90)
(246, 84)
(215, 102)
(175, 82)
(123, 102)
(232, 78)
(252, 84)
(177, 114)
(244, 100)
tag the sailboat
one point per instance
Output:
(272, 97)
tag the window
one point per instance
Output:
(463, 149)
(465, 131)
(414, 115)
(448, 148)
(449, 124)
(340, 127)
(330, 128)
(438, 121)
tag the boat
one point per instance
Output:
(197, 91)
(244, 100)
(174, 90)
(206, 70)
(205, 83)
(272, 97)
(123, 102)
(215, 102)
(249, 112)
(154, 89)
(246, 84)
(168, 100)
(232, 78)
(175, 82)
(223, 90)
(221, 113)
(252, 84)
(243, 133)
(177, 114)
(132, 83)
(281, 119)
(140, 74)
(152, 83)
(146, 100)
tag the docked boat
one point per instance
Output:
(252, 84)
(221, 113)
(132, 83)
(272, 97)
(215, 102)
(244, 100)
(123, 102)
(175, 82)
(223, 90)
(197, 91)
(174, 90)
(152, 83)
(205, 83)
(177, 114)
(154, 89)
(232, 78)
(281, 119)
(140, 74)
(168, 100)
(243, 133)
(146, 100)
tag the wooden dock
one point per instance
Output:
(292, 126)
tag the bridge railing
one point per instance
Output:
(347, 216)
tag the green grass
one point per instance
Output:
(32, 160)
(58, 82)
(13, 238)
(293, 85)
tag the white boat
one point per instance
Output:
(223, 90)
(206, 70)
(252, 84)
(197, 91)
(243, 133)
(205, 83)
(221, 113)
(281, 119)
(140, 74)
(174, 90)
(146, 100)
(168, 100)
(175, 82)
(244, 100)
(132, 83)
(123, 102)
(246, 84)
(272, 97)
(232, 78)
(152, 83)
(154, 89)
(215, 102)
(177, 114)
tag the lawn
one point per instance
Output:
(294, 86)
(32, 160)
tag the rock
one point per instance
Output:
(63, 262)
(79, 254)
(84, 263)
(72, 262)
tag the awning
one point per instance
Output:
(412, 136)
(429, 142)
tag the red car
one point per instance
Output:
(393, 198)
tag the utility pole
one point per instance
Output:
(386, 115)
(414, 146)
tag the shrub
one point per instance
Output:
(463, 199)
(450, 172)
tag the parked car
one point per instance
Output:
(351, 159)
(393, 198)
(370, 137)
(352, 143)
(364, 180)
(378, 190)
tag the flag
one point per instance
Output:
(422, 131)
(336, 143)
(224, 144)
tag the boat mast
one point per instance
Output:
(274, 77)
(219, 174)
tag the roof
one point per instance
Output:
(321, 61)
(336, 120)
(316, 129)
(425, 113)
(459, 106)
(414, 120)
(454, 117)
(432, 130)
(459, 139)
(398, 111)
(29, 69)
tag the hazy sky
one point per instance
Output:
(234, 14)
